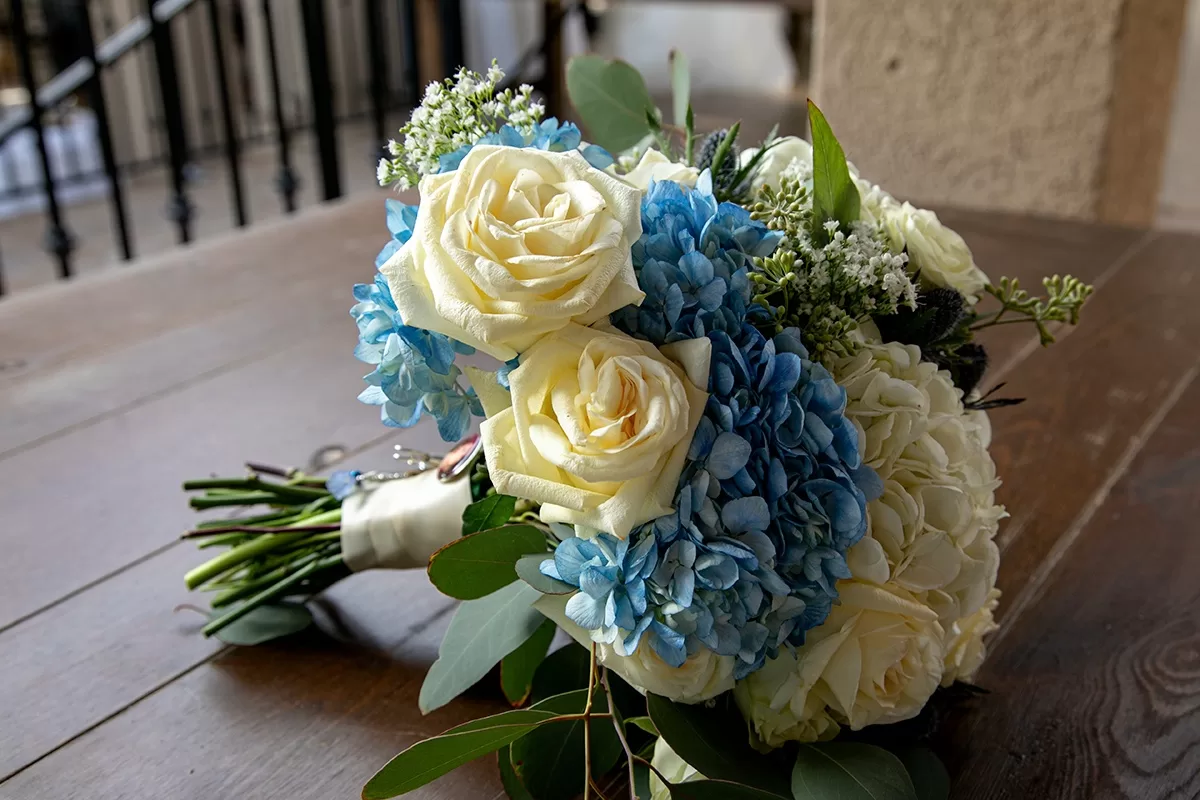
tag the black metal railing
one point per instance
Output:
(152, 39)
(379, 78)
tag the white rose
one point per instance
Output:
(515, 244)
(703, 676)
(781, 708)
(876, 659)
(789, 152)
(599, 427)
(672, 767)
(964, 647)
(655, 166)
(939, 254)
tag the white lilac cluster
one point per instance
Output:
(456, 114)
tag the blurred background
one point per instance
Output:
(156, 123)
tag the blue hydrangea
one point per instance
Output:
(549, 135)
(414, 368)
(773, 492)
(693, 262)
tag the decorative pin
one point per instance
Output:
(460, 459)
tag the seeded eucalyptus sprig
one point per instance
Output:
(1065, 296)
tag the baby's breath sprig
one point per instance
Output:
(1065, 296)
(825, 290)
(455, 113)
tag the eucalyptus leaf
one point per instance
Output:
(432, 758)
(835, 195)
(490, 512)
(612, 100)
(481, 633)
(681, 86)
(929, 776)
(718, 741)
(265, 623)
(723, 790)
(641, 781)
(849, 771)
(564, 670)
(550, 760)
(645, 723)
(480, 563)
(528, 568)
(518, 667)
(508, 776)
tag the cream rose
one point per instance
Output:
(654, 166)
(876, 659)
(599, 427)
(672, 767)
(964, 648)
(938, 253)
(515, 244)
(703, 676)
(789, 152)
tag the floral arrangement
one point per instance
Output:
(732, 445)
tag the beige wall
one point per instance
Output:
(1024, 105)
(1179, 196)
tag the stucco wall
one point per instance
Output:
(998, 104)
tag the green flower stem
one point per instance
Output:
(276, 591)
(239, 591)
(233, 499)
(256, 520)
(259, 545)
(231, 539)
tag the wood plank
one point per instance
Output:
(1096, 688)
(109, 493)
(1088, 397)
(117, 641)
(85, 348)
(312, 718)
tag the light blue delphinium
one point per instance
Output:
(548, 135)
(773, 492)
(414, 368)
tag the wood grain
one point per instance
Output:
(1096, 691)
(1088, 397)
(88, 491)
(117, 641)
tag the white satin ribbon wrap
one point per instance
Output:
(399, 524)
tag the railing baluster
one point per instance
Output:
(179, 210)
(324, 122)
(286, 182)
(100, 109)
(58, 241)
(377, 69)
(231, 141)
(408, 39)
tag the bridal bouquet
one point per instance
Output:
(732, 446)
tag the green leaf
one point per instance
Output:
(681, 86)
(849, 771)
(612, 100)
(717, 739)
(490, 512)
(645, 723)
(517, 668)
(722, 790)
(432, 758)
(835, 195)
(927, 772)
(549, 760)
(508, 776)
(528, 569)
(481, 633)
(479, 564)
(265, 623)
(564, 670)
(641, 781)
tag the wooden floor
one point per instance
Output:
(115, 388)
